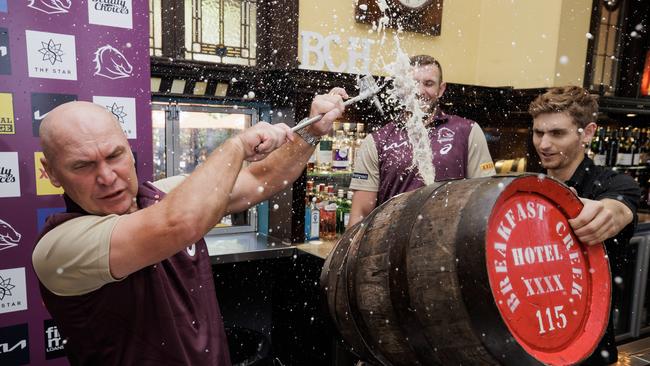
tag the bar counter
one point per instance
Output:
(243, 247)
(320, 249)
(234, 248)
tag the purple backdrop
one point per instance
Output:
(52, 52)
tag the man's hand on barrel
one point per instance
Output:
(331, 106)
(263, 138)
(595, 223)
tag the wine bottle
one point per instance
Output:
(612, 149)
(600, 150)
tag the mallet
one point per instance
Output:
(367, 88)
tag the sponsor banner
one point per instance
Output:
(113, 13)
(5, 58)
(7, 126)
(14, 345)
(43, 185)
(51, 55)
(111, 63)
(43, 103)
(54, 343)
(13, 295)
(124, 111)
(43, 213)
(53, 52)
(9, 177)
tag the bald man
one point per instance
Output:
(125, 272)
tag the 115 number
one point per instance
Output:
(557, 319)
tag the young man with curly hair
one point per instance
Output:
(564, 122)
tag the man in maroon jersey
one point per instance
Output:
(125, 271)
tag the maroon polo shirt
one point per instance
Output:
(449, 138)
(163, 314)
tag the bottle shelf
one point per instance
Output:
(329, 174)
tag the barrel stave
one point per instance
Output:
(333, 281)
(433, 258)
(371, 278)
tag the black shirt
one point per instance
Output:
(596, 183)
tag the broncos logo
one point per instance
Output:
(9, 237)
(50, 6)
(445, 135)
(111, 63)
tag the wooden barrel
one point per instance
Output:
(470, 272)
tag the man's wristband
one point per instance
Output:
(308, 137)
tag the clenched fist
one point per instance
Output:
(263, 138)
(331, 106)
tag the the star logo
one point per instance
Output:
(118, 112)
(124, 111)
(51, 52)
(5, 288)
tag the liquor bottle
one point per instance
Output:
(612, 149)
(309, 190)
(644, 146)
(321, 195)
(344, 213)
(328, 217)
(340, 203)
(313, 158)
(309, 195)
(341, 152)
(593, 146)
(314, 224)
(307, 218)
(348, 202)
(625, 149)
(325, 155)
(600, 150)
(353, 151)
(635, 139)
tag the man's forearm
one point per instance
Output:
(600, 220)
(284, 164)
(203, 197)
(622, 215)
(181, 218)
(263, 179)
